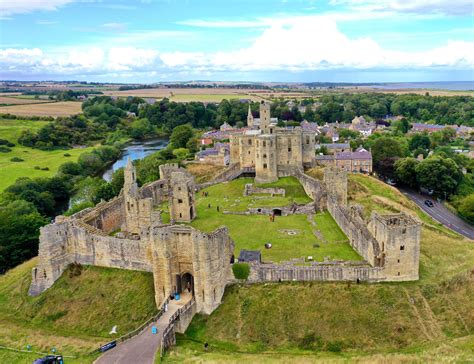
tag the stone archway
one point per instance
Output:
(276, 212)
(187, 283)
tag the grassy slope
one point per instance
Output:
(77, 313)
(428, 320)
(11, 171)
(253, 231)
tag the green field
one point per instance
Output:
(76, 315)
(10, 171)
(253, 231)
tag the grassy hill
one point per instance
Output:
(76, 315)
(428, 320)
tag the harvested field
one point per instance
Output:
(64, 108)
(4, 100)
(189, 94)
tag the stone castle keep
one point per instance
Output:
(128, 232)
(274, 152)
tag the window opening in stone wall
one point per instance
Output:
(180, 201)
(250, 141)
(180, 214)
(402, 247)
(264, 165)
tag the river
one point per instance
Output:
(135, 150)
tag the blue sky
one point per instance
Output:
(259, 40)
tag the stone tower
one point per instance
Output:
(399, 239)
(335, 180)
(308, 146)
(250, 118)
(182, 208)
(138, 211)
(264, 116)
(266, 169)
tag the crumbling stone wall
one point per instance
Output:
(351, 222)
(106, 216)
(250, 189)
(340, 271)
(314, 189)
(69, 241)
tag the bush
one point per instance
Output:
(4, 149)
(6, 142)
(241, 270)
(335, 347)
(37, 167)
(16, 159)
(45, 169)
(67, 155)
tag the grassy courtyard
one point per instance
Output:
(292, 236)
(48, 161)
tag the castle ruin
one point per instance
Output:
(128, 232)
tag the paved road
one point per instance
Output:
(441, 214)
(141, 349)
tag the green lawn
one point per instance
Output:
(10, 171)
(253, 231)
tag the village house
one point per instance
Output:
(359, 161)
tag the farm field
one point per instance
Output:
(11, 171)
(62, 108)
(4, 100)
(188, 94)
(291, 236)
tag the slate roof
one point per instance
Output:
(250, 256)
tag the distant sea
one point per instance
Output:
(447, 85)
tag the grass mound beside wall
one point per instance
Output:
(77, 313)
(327, 319)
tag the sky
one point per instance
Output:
(149, 41)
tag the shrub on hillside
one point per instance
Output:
(4, 149)
(241, 270)
(6, 142)
(16, 159)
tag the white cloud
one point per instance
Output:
(306, 44)
(452, 7)
(10, 7)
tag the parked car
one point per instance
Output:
(429, 203)
(50, 359)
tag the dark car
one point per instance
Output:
(429, 203)
(50, 359)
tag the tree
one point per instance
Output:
(401, 126)
(181, 135)
(19, 231)
(384, 148)
(442, 175)
(405, 172)
(466, 207)
(419, 141)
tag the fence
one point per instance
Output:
(169, 337)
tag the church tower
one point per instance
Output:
(250, 118)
